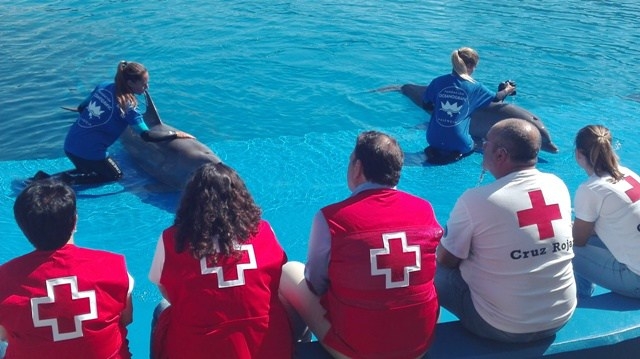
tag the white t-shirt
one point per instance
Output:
(615, 209)
(514, 239)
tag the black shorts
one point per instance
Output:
(96, 171)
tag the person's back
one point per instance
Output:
(78, 299)
(74, 297)
(519, 265)
(367, 289)
(607, 213)
(451, 99)
(454, 99)
(219, 267)
(394, 289)
(230, 308)
(504, 264)
(99, 124)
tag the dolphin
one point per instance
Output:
(482, 119)
(170, 162)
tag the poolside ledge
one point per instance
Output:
(604, 326)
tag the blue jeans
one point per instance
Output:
(594, 263)
(455, 296)
(3, 348)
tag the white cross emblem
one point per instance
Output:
(387, 272)
(51, 298)
(240, 268)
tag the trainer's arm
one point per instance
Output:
(158, 135)
(502, 94)
(3, 333)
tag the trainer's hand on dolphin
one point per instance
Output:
(509, 89)
(180, 134)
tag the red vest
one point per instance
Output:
(65, 303)
(381, 300)
(230, 309)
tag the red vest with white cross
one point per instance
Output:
(64, 303)
(227, 309)
(381, 299)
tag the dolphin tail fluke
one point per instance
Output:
(151, 116)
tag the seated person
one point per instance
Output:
(62, 299)
(219, 267)
(504, 263)
(367, 289)
(606, 230)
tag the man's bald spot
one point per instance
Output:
(519, 137)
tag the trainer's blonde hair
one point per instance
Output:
(462, 59)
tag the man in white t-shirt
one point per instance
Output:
(504, 263)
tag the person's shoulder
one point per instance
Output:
(442, 78)
(95, 252)
(627, 171)
(413, 197)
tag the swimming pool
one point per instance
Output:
(280, 89)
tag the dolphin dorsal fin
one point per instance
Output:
(151, 116)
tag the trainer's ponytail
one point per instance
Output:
(462, 59)
(127, 71)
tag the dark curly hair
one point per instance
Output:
(216, 213)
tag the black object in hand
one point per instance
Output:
(503, 85)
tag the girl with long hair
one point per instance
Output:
(219, 268)
(606, 230)
(103, 116)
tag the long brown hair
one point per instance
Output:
(127, 71)
(216, 213)
(595, 143)
(462, 59)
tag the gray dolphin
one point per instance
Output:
(170, 162)
(483, 119)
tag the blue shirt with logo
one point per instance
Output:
(454, 99)
(100, 124)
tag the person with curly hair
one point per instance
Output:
(218, 267)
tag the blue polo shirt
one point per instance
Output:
(100, 124)
(454, 99)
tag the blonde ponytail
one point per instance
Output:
(462, 59)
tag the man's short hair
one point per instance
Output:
(381, 157)
(520, 138)
(46, 213)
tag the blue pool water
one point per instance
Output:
(280, 89)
